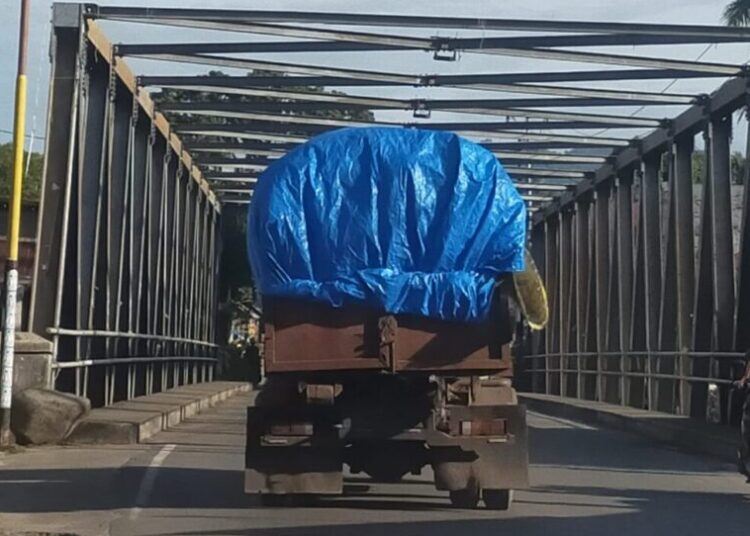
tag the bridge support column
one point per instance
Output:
(682, 193)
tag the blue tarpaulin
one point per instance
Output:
(402, 220)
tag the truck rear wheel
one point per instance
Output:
(467, 498)
(497, 499)
(386, 473)
(387, 461)
(290, 500)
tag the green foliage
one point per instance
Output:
(32, 182)
(170, 95)
(737, 13)
(236, 280)
(699, 166)
(736, 167)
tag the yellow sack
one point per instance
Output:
(531, 295)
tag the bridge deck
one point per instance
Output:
(188, 481)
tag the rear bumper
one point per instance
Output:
(311, 444)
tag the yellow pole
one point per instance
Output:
(18, 144)
(14, 226)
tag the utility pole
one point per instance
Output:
(14, 221)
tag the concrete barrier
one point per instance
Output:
(134, 421)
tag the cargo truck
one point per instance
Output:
(385, 392)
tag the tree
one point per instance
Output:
(736, 167)
(32, 182)
(737, 13)
(699, 166)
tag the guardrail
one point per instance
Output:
(154, 374)
(657, 381)
(128, 376)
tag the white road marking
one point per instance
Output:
(147, 484)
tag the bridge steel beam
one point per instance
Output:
(743, 286)
(278, 81)
(356, 19)
(127, 236)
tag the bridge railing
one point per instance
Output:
(141, 375)
(651, 254)
(655, 381)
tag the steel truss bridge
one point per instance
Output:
(650, 299)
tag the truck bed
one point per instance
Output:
(305, 336)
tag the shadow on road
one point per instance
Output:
(641, 511)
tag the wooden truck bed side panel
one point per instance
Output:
(303, 336)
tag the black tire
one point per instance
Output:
(275, 501)
(388, 474)
(465, 498)
(497, 499)
(289, 500)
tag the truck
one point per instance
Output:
(384, 392)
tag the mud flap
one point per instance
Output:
(489, 462)
(304, 456)
(293, 470)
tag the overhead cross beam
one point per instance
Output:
(430, 80)
(356, 19)
(414, 80)
(246, 132)
(260, 148)
(505, 156)
(346, 102)
(387, 43)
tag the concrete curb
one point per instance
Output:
(688, 434)
(136, 420)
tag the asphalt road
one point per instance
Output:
(188, 482)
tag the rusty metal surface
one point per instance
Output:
(302, 336)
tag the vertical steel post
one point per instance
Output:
(551, 258)
(582, 291)
(625, 275)
(601, 252)
(668, 301)
(703, 299)
(723, 251)
(651, 261)
(684, 260)
(721, 227)
(538, 344)
(566, 297)
(14, 227)
(742, 337)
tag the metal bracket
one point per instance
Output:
(421, 110)
(444, 51)
(427, 80)
(387, 328)
(152, 133)
(320, 394)
(135, 112)
(112, 83)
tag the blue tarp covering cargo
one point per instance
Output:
(401, 220)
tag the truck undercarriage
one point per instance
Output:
(438, 395)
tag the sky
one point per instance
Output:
(647, 11)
